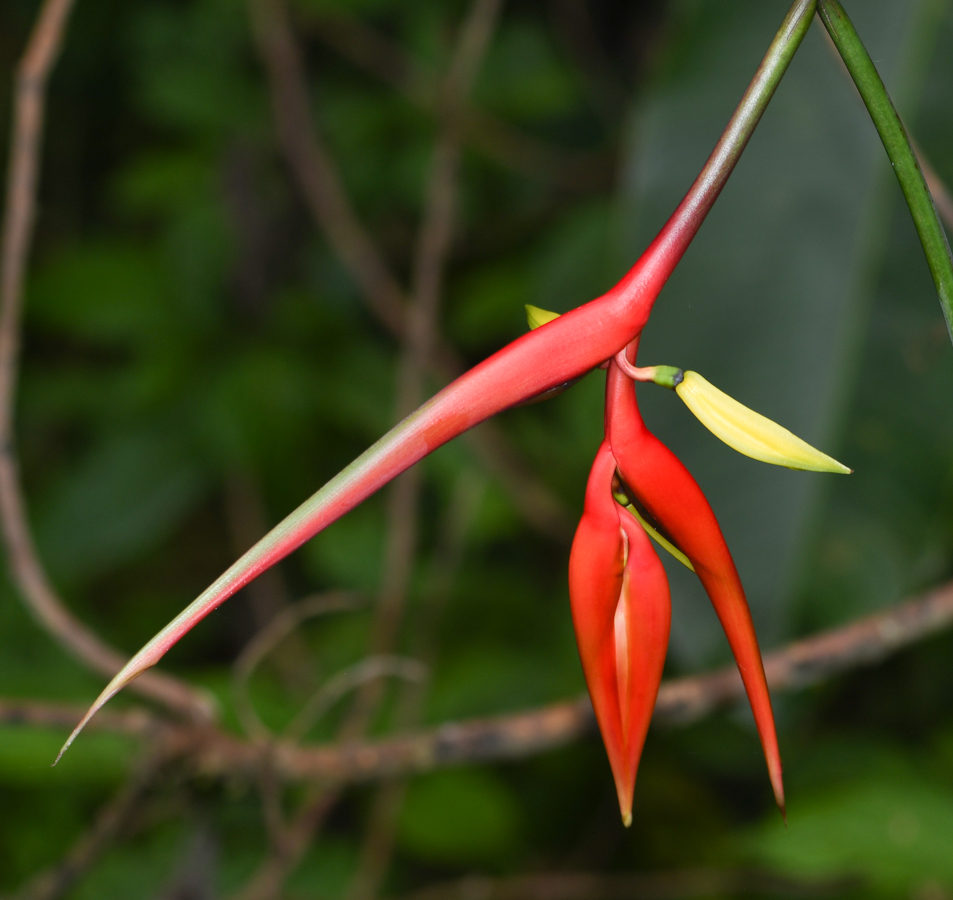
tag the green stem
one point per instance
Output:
(673, 240)
(897, 144)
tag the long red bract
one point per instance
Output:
(666, 489)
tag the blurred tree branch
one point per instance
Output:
(373, 52)
(681, 701)
(416, 321)
(19, 218)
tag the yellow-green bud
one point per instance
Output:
(536, 316)
(749, 432)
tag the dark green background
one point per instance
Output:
(192, 346)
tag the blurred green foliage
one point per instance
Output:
(197, 362)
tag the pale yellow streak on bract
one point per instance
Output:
(663, 542)
(536, 316)
(749, 432)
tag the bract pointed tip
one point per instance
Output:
(627, 819)
(75, 733)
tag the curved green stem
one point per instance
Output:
(897, 144)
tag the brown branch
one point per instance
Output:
(321, 186)
(42, 714)
(675, 885)
(419, 322)
(19, 217)
(681, 701)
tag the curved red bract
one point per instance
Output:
(666, 489)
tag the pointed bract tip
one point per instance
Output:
(627, 819)
(127, 674)
(75, 733)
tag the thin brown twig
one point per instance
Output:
(321, 186)
(213, 753)
(433, 248)
(39, 595)
(433, 251)
(419, 338)
(505, 144)
(313, 169)
(276, 631)
(383, 816)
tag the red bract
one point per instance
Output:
(621, 611)
(667, 491)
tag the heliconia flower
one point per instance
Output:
(545, 360)
(621, 611)
(667, 491)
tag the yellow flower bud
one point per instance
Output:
(536, 316)
(749, 432)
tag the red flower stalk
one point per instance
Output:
(548, 357)
(622, 612)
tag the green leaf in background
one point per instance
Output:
(464, 816)
(25, 755)
(771, 301)
(892, 832)
(897, 145)
(123, 497)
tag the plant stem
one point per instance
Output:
(897, 144)
(673, 240)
